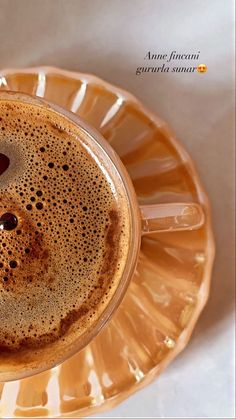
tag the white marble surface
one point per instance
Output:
(110, 38)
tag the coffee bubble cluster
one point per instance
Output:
(63, 232)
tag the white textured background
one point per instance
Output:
(110, 38)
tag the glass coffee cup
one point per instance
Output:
(140, 220)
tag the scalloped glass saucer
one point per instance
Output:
(171, 283)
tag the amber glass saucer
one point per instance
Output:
(171, 283)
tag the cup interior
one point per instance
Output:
(20, 366)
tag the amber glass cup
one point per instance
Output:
(142, 220)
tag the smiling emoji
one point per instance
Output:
(201, 68)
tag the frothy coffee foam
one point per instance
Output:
(60, 266)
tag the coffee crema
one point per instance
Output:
(64, 232)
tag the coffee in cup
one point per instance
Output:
(64, 234)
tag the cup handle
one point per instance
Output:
(171, 217)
